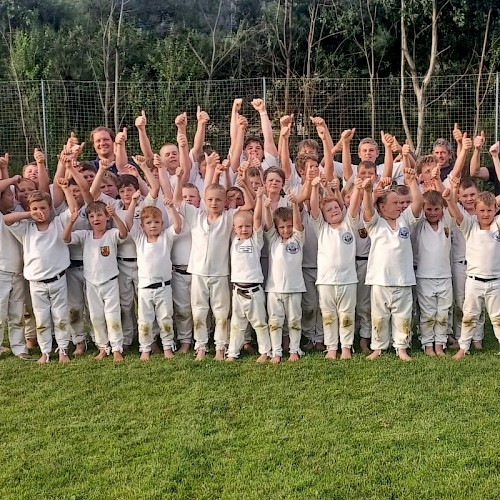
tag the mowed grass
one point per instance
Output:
(311, 429)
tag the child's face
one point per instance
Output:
(234, 198)
(191, 196)
(442, 155)
(426, 173)
(254, 149)
(31, 172)
(170, 156)
(155, 173)
(255, 182)
(467, 198)
(433, 213)
(367, 152)
(215, 200)
(24, 189)
(391, 209)
(77, 194)
(40, 211)
(98, 220)
(485, 214)
(126, 193)
(89, 176)
(274, 183)
(243, 226)
(307, 150)
(347, 198)
(284, 228)
(332, 212)
(367, 173)
(202, 168)
(6, 200)
(108, 187)
(152, 226)
(311, 169)
(404, 201)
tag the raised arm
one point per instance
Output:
(346, 138)
(178, 187)
(5, 183)
(199, 137)
(71, 167)
(66, 235)
(450, 196)
(236, 147)
(284, 149)
(234, 118)
(327, 142)
(4, 166)
(95, 188)
(130, 213)
(296, 218)
(268, 218)
(464, 151)
(144, 142)
(43, 175)
(257, 213)
(247, 194)
(475, 166)
(173, 214)
(267, 129)
(315, 211)
(494, 156)
(369, 207)
(388, 158)
(356, 197)
(182, 143)
(120, 225)
(121, 158)
(154, 186)
(457, 135)
(70, 199)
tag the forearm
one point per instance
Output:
(7, 182)
(388, 162)
(474, 162)
(297, 221)
(154, 186)
(460, 162)
(145, 144)
(14, 217)
(248, 198)
(43, 178)
(267, 133)
(66, 235)
(121, 158)
(268, 219)
(346, 160)
(327, 161)
(369, 211)
(236, 148)
(355, 202)
(315, 202)
(416, 197)
(129, 215)
(120, 225)
(176, 219)
(257, 213)
(286, 164)
(95, 188)
(198, 141)
(185, 163)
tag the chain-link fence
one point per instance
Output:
(42, 113)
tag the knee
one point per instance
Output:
(346, 320)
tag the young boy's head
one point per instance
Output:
(332, 213)
(389, 204)
(234, 197)
(467, 193)
(283, 221)
(108, 185)
(88, 171)
(191, 195)
(97, 215)
(169, 153)
(307, 164)
(40, 205)
(433, 206)
(347, 192)
(127, 185)
(368, 149)
(151, 220)
(404, 196)
(442, 152)
(486, 208)
(253, 146)
(243, 224)
(424, 166)
(308, 147)
(23, 190)
(202, 162)
(30, 171)
(255, 179)
(367, 170)
(274, 179)
(215, 199)
(75, 190)
(7, 200)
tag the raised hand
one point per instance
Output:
(260, 192)
(457, 133)
(181, 120)
(39, 156)
(179, 172)
(140, 160)
(237, 103)
(202, 116)
(62, 183)
(494, 149)
(140, 121)
(259, 105)
(479, 140)
(4, 161)
(466, 141)
(316, 181)
(386, 139)
(347, 135)
(110, 210)
(136, 196)
(121, 137)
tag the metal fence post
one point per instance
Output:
(264, 90)
(44, 124)
(496, 107)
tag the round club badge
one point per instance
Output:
(347, 238)
(292, 247)
(404, 233)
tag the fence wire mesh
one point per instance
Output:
(42, 114)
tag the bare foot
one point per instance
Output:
(331, 354)
(429, 351)
(168, 353)
(276, 360)
(44, 358)
(63, 357)
(460, 354)
(200, 355)
(81, 347)
(364, 345)
(477, 344)
(374, 355)
(102, 354)
(23, 355)
(293, 357)
(346, 353)
(154, 348)
(219, 354)
(247, 347)
(4, 350)
(320, 346)
(230, 359)
(262, 358)
(31, 343)
(117, 356)
(438, 349)
(184, 349)
(403, 355)
(145, 356)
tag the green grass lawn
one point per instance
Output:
(312, 429)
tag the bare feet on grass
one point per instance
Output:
(117, 356)
(168, 353)
(429, 351)
(145, 356)
(293, 357)
(219, 354)
(331, 354)
(460, 354)
(403, 355)
(364, 345)
(184, 349)
(81, 347)
(346, 353)
(230, 359)
(44, 358)
(374, 355)
(262, 358)
(439, 350)
(276, 360)
(200, 355)
(63, 357)
(101, 355)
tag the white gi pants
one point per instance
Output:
(128, 281)
(183, 316)
(11, 311)
(77, 300)
(312, 322)
(363, 302)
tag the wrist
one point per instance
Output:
(262, 113)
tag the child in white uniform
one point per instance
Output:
(390, 265)
(249, 300)
(155, 273)
(101, 272)
(434, 288)
(337, 276)
(285, 284)
(46, 259)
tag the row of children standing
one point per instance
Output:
(248, 233)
